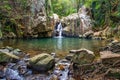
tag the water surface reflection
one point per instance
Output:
(61, 46)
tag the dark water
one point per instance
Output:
(60, 46)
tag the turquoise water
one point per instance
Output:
(60, 46)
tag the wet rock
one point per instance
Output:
(10, 74)
(4, 50)
(17, 52)
(42, 62)
(57, 59)
(7, 57)
(69, 57)
(54, 77)
(83, 56)
(9, 48)
(62, 69)
(13, 51)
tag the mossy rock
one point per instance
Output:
(114, 73)
(83, 56)
(7, 57)
(42, 62)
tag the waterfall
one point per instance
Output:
(58, 30)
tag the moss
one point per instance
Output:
(114, 75)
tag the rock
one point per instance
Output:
(9, 35)
(42, 62)
(74, 51)
(4, 50)
(109, 58)
(97, 34)
(114, 73)
(56, 18)
(9, 48)
(69, 57)
(83, 56)
(17, 52)
(114, 46)
(62, 69)
(77, 23)
(7, 57)
(88, 34)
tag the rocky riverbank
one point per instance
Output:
(79, 64)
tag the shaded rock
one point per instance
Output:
(9, 35)
(109, 58)
(88, 34)
(114, 46)
(99, 38)
(42, 62)
(83, 56)
(7, 57)
(97, 34)
(69, 57)
(114, 73)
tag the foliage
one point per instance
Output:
(63, 7)
(11, 12)
(104, 12)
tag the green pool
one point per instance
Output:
(60, 46)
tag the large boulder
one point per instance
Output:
(42, 62)
(109, 58)
(83, 56)
(114, 46)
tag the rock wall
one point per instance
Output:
(77, 23)
(24, 19)
(39, 23)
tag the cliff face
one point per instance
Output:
(25, 18)
(39, 23)
(77, 23)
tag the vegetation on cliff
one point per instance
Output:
(15, 15)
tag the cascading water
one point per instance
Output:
(58, 30)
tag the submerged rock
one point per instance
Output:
(11, 51)
(83, 56)
(42, 62)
